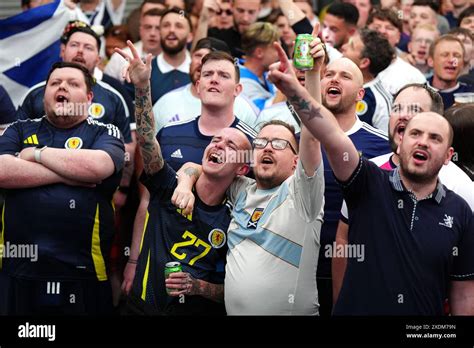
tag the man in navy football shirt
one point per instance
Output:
(59, 172)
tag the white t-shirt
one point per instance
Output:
(398, 74)
(180, 105)
(273, 241)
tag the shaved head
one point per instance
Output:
(425, 147)
(435, 119)
(342, 87)
(349, 66)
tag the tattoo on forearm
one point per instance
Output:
(191, 172)
(152, 157)
(214, 292)
(305, 108)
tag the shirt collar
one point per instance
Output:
(355, 127)
(165, 67)
(397, 184)
(448, 90)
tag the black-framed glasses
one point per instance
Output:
(277, 144)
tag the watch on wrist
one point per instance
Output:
(38, 151)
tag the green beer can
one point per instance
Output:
(172, 267)
(302, 59)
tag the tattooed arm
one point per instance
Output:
(183, 196)
(340, 150)
(310, 147)
(185, 284)
(139, 74)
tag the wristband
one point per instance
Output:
(38, 151)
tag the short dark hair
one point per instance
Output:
(348, 12)
(159, 2)
(276, 122)
(221, 55)
(79, 27)
(468, 12)
(377, 49)
(212, 44)
(180, 12)
(385, 14)
(89, 80)
(437, 104)
(154, 12)
(434, 5)
(462, 31)
(460, 118)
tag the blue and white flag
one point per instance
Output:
(29, 45)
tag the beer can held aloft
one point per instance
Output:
(172, 267)
(302, 59)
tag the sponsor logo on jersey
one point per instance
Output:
(361, 107)
(217, 238)
(32, 139)
(177, 154)
(96, 110)
(73, 143)
(256, 215)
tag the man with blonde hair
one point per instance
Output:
(257, 43)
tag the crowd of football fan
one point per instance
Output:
(184, 133)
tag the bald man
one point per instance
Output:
(411, 239)
(342, 87)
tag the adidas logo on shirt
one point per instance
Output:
(177, 154)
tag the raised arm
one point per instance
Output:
(291, 11)
(208, 7)
(139, 74)
(341, 152)
(310, 148)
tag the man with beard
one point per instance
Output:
(184, 103)
(170, 69)
(186, 141)
(409, 101)
(418, 239)
(149, 41)
(81, 45)
(339, 24)
(168, 230)
(273, 237)
(60, 173)
(342, 88)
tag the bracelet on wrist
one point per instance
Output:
(132, 261)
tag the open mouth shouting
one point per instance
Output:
(333, 92)
(420, 156)
(216, 158)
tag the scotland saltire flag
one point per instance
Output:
(29, 45)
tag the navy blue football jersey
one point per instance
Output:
(197, 241)
(72, 226)
(183, 142)
(108, 106)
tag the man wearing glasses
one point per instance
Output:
(273, 238)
